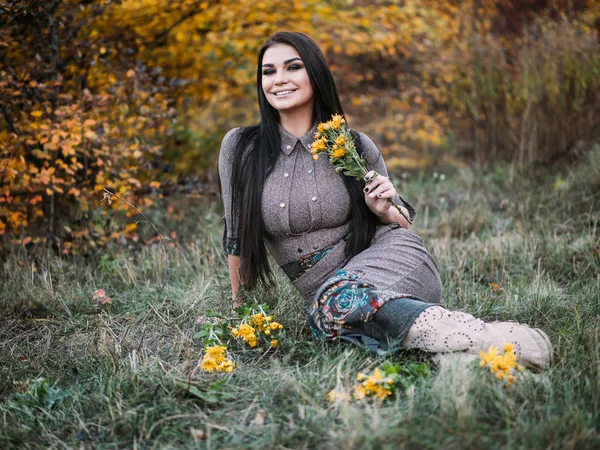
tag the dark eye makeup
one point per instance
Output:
(290, 67)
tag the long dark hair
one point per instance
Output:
(256, 154)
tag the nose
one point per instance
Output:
(280, 77)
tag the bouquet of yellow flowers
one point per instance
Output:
(334, 140)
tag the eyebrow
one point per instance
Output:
(287, 61)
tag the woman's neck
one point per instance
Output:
(296, 123)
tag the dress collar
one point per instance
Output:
(288, 141)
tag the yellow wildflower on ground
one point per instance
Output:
(359, 392)
(502, 366)
(337, 396)
(214, 360)
(257, 319)
(274, 343)
(209, 364)
(246, 330)
(216, 352)
(373, 385)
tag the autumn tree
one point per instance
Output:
(100, 93)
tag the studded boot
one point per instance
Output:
(438, 330)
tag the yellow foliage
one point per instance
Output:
(94, 112)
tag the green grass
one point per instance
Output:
(117, 375)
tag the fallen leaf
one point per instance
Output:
(101, 298)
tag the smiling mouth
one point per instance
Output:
(284, 93)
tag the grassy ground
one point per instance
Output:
(116, 376)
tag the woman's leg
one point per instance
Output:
(347, 308)
(439, 330)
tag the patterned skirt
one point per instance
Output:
(349, 309)
(373, 300)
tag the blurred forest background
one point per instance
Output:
(135, 95)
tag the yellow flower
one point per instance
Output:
(246, 330)
(507, 347)
(339, 153)
(382, 392)
(335, 121)
(317, 135)
(321, 128)
(269, 318)
(359, 392)
(370, 385)
(267, 332)
(318, 144)
(274, 325)
(215, 352)
(315, 157)
(257, 319)
(274, 343)
(234, 332)
(334, 396)
(209, 364)
(226, 366)
(361, 376)
(340, 141)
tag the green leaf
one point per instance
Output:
(201, 334)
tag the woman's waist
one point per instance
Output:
(291, 248)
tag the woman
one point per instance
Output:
(365, 277)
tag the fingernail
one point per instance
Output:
(366, 189)
(378, 195)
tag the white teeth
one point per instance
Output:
(284, 92)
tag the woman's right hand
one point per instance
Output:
(237, 302)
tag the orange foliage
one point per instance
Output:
(89, 90)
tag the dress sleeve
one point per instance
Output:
(374, 161)
(231, 241)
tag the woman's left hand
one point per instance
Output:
(378, 191)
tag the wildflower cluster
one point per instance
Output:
(214, 360)
(374, 385)
(333, 138)
(383, 382)
(261, 324)
(249, 324)
(503, 366)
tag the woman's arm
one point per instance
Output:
(234, 263)
(231, 232)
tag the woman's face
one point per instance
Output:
(285, 80)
